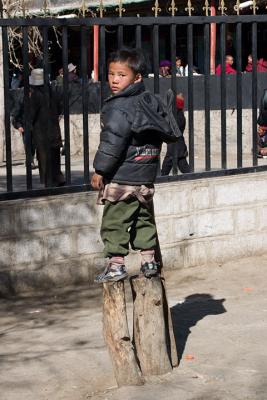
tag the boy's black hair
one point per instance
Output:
(134, 58)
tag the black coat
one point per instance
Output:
(126, 156)
(44, 117)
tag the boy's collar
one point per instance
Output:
(133, 89)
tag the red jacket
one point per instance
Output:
(179, 103)
(261, 66)
(228, 69)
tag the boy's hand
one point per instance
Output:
(97, 181)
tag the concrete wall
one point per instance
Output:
(55, 241)
(76, 135)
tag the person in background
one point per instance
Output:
(17, 119)
(45, 109)
(229, 61)
(177, 151)
(195, 70)
(17, 80)
(72, 73)
(262, 127)
(59, 78)
(165, 68)
(179, 67)
(261, 65)
(262, 141)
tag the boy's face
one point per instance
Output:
(229, 60)
(120, 76)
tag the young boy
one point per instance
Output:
(126, 165)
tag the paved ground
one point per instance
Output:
(51, 347)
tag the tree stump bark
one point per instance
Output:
(116, 335)
(167, 312)
(150, 334)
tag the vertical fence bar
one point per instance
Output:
(254, 93)
(85, 94)
(239, 154)
(66, 104)
(138, 36)
(120, 36)
(102, 59)
(9, 184)
(207, 94)
(173, 56)
(223, 98)
(48, 167)
(173, 86)
(190, 96)
(26, 106)
(156, 58)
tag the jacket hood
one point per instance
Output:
(131, 90)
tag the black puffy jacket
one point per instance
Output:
(126, 156)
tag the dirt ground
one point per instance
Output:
(51, 346)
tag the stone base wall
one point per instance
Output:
(54, 241)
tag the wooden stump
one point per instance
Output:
(116, 334)
(150, 334)
(167, 312)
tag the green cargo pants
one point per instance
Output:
(125, 222)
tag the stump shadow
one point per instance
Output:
(187, 314)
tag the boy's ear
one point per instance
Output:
(138, 78)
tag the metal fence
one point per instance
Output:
(138, 24)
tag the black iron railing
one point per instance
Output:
(85, 25)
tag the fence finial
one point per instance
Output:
(101, 9)
(254, 6)
(23, 8)
(173, 8)
(156, 8)
(236, 7)
(45, 7)
(206, 8)
(189, 8)
(83, 8)
(222, 7)
(120, 9)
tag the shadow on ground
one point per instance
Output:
(187, 314)
(55, 313)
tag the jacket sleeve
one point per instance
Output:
(17, 115)
(114, 140)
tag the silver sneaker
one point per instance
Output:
(150, 269)
(112, 274)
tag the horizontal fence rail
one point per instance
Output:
(128, 21)
(216, 107)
